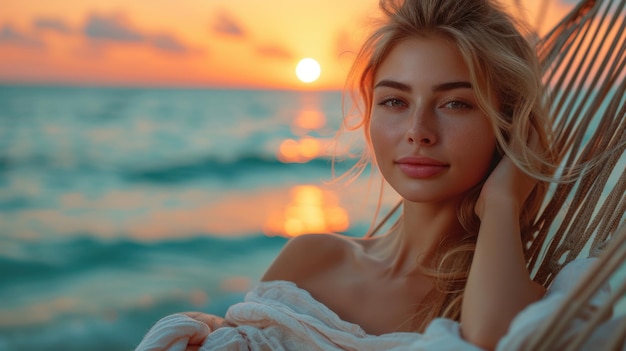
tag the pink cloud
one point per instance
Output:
(117, 28)
(114, 27)
(52, 24)
(274, 51)
(226, 24)
(11, 36)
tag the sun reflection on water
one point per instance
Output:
(309, 119)
(300, 151)
(304, 146)
(310, 210)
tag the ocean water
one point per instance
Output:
(119, 206)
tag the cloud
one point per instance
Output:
(51, 24)
(116, 28)
(169, 43)
(112, 28)
(227, 25)
(11, 36)
(274, 51)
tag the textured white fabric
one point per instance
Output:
(278, 315)
(530, 318)
(174, 333)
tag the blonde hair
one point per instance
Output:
(503, 67)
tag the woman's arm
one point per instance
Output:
(499, 285)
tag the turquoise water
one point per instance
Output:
(119, 206)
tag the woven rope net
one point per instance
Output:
(584, 59)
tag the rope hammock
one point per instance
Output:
(583, 59)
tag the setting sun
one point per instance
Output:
(308, 70)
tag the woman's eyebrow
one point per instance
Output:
(452, 86)
(394, 85)
(437, 88)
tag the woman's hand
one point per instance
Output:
(214, 322)
(507, 185)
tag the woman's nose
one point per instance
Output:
(422, 129)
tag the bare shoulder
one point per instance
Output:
(307, 255)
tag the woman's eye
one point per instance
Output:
(457, 105)
(393, 103)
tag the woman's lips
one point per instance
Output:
(420, 167)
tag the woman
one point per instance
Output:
(451, 104)
(447, 86)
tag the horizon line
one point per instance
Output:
(165, 86)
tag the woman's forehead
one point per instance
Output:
(420, 61)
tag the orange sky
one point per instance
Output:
(218, 43)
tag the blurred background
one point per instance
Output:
(156, 155)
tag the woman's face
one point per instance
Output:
(431, 141)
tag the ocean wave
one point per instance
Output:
(159, 171)
(220, 168)
(48, 261)
(84, 293)
(115, 329)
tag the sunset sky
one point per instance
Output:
(190, 43)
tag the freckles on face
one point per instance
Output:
(431, 140)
